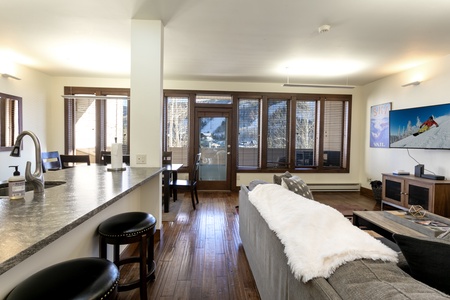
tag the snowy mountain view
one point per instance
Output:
(212, 132)
(401, 136)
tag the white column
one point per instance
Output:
(146, 107)
(146, 92)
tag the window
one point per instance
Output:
(318, 127)
(248, 135)
(305, 133)
(271, 131)
(85, 128)
(10, 120)
(177, 128)
(277, 134)
(213, 99)
(93, 123)
(117, 122)
(335, 134)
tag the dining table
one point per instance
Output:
(170, 170)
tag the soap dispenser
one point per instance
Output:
(16, 185)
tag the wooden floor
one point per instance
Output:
(201, 255)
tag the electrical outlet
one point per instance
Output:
(141, 159)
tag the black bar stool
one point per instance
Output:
(128, 228)
(81, 278)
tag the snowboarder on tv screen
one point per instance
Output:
(426, 125)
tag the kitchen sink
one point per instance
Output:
(29, 186)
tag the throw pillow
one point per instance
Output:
(277, 178)
(427, 259)
(297, 185)
(254, 183)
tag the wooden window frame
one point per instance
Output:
(292, 98)
(69, 117)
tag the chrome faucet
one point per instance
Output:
(37, 178)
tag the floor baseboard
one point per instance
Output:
(366, 192)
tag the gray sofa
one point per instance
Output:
(359, 279)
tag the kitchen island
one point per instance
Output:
(38, 231)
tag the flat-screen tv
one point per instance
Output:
(426, 127)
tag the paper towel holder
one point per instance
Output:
(113, 163)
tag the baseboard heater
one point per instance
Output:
(334, 187)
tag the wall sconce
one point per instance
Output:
(6, 75)
(411, 83)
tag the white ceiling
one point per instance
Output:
(230, 40)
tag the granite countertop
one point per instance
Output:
(30, 224)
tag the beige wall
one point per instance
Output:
(55, 140)
(433, 90)
(43, 113)
(358, 118)
(52, 133)
(34, 88)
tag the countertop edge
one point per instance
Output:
(22, 255)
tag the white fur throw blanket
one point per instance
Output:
(317, 238)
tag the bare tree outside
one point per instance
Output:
(177, 128)
(305, 133)
(248, 135)
(277, 133)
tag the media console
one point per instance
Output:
(402, 191)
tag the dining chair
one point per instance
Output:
(51, 161)
(69, 161)
(189, 184)
(106, 157)
(167, 158)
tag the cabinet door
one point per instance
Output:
(393, 190)
(418, 193)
